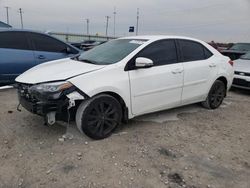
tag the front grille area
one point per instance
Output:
(23, 91)
(241, 82)
(242, 73)
(32, 102)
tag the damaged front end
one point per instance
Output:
(54, 101)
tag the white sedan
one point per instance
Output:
(242, 72)
(124, 78)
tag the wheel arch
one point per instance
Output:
(224, 80)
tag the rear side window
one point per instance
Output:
(193, 51)
(208, 54)
(46, 43)
(14, 40)
(161, 52)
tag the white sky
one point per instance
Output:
(219, 20)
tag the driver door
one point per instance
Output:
(160, 86)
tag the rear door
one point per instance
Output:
(158, 87)
(199, 70)
(16, 56)
(47, 48)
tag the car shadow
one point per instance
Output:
(240, 91)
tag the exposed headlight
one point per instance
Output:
(52, 87)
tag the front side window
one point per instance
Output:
(161, 52)
(193, 51)
(111, 52)
(14, 40)
(47, 44)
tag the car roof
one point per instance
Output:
(245, 43)
(160, 37)
(153, 38)
(33, 31)
(21, 30)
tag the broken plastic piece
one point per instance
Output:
(73, 97)
(18, 107)
(51, 118)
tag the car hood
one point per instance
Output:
(56, 70)
(242, 65)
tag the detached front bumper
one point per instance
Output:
(42, 105)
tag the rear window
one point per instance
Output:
(14, 40)
(193, 51)
(241, 47)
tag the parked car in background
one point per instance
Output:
(87, 45)
(22, 49)
(125, 78)
(242, 72)
(237, 50)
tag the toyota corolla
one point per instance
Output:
(125, 78)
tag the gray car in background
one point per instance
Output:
(242, 72)
(236, 50)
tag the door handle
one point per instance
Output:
(176, 71)
(212, 65)
(41, 57)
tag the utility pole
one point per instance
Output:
(21, 16)
(7, 14)
(114, 20)
(87, 20)
(137, 21)
(107, 25)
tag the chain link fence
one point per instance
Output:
(72, 37)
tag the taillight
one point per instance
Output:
(231, 62)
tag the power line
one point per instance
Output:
(7, 14)
(137, 21)
(107, 25)
(21, 16)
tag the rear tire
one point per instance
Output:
(99, 116)
(215, 96)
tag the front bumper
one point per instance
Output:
(41, 106)
(242, 82)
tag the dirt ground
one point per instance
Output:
(185, 147)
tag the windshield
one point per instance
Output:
(241, 46)
(246, 56)
(110, 52)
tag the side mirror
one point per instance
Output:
(142, 62)
(67, 50)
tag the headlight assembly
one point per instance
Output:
(53, 87)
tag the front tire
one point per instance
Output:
(99, 116)
(215, 96)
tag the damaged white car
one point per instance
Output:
(125, 78)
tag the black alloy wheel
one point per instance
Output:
(99, 116)
(216, 95)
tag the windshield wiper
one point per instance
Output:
(87, 61)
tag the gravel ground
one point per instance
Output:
(185, 147)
